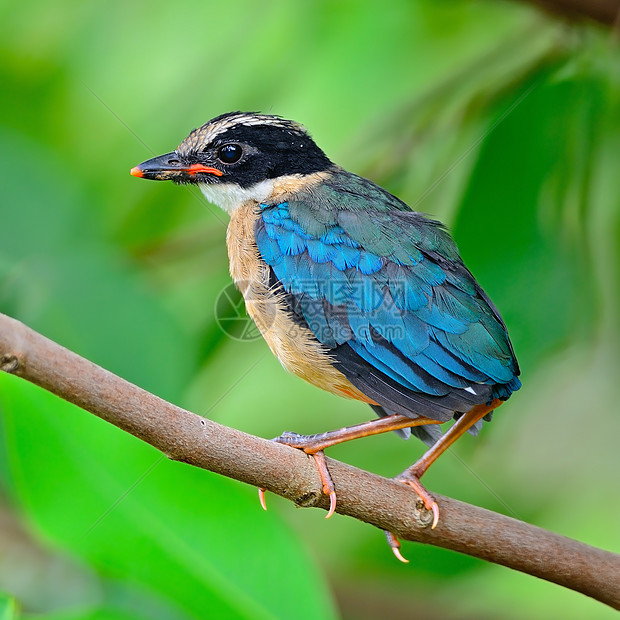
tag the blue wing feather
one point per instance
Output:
(387, 288)
(391, 365)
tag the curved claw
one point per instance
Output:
(332, 504)
(300, 442)
(399, 555)
(427, 499)
(261, 498)
(435, 510)
(395, 546)
(326, 479)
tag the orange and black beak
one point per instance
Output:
(168, 167)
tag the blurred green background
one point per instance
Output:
(497, 119)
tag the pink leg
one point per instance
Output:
(412, 475)
(315, 444)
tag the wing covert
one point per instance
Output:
(388, 290)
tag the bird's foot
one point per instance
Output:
(409, 478)
(395, 546)
(427, 499)
(328, 484)
(301, 442)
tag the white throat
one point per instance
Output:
(229, 196)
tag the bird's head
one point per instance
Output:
(237, 157)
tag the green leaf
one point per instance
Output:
(8, 608)
(196, 538)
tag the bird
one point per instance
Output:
(352, 290)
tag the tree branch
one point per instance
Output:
(604, 12)
(185, 436)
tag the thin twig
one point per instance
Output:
(389, 505)
(602, 11)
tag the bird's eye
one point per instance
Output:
(229, 153)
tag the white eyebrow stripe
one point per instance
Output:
(209, 132)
